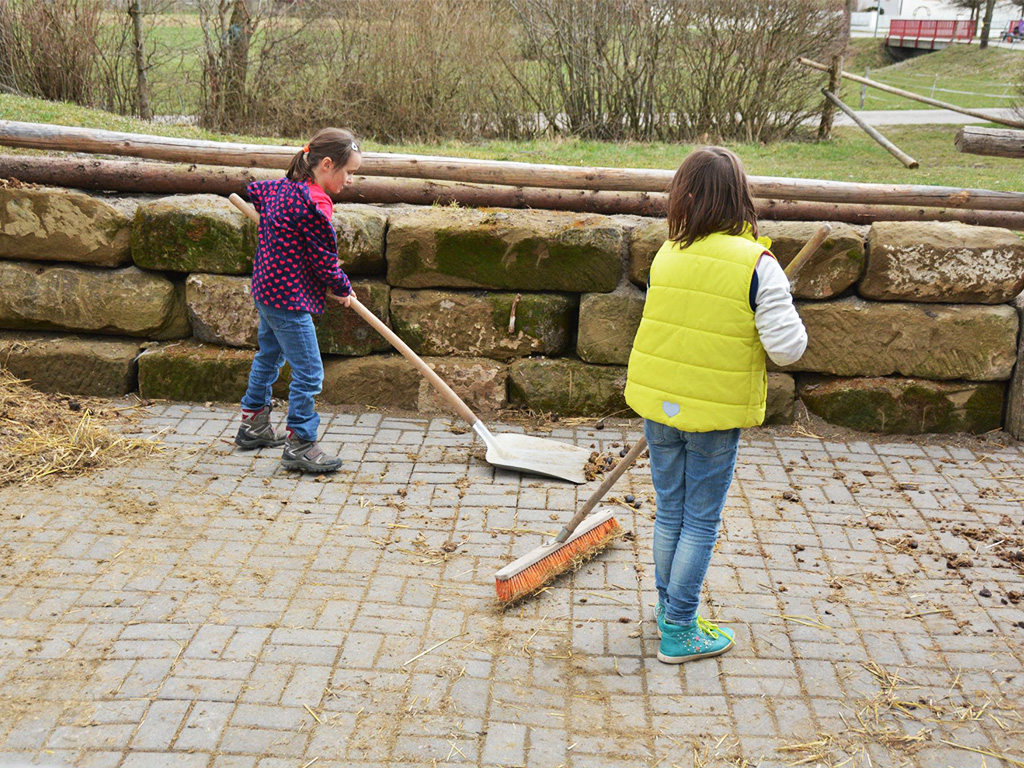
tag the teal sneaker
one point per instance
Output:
(698, 640)
(659, 617)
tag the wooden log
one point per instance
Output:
(50, 137)
(915, 96)
(994, 142)
(70, 139)
(789, 210)
(161, 178)
(891, 148)
(817, 190)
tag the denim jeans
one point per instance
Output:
(691, 473)
(287, 335)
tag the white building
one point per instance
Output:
(866, 19)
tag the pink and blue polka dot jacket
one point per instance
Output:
(296, 258)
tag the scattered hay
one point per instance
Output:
(888, 717)
(428, 555)
(44, 436)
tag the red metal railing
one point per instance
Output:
(933, 29)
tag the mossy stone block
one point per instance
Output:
(62, 225)
(381, 381)
(1014, 423)
(75, 365)
(477, 323)
(480, 382)
(781, 402)
(340, 331)
(504, 249)
(836, 265)
(945, 262)
(118, 302)
(851, 337)
(568, 387)
(645, 241)
(197, 372)
(608, 324)
(360, 230)
(193, 233)
(905, 406)
(221, 310)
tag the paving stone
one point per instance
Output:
(202, 630)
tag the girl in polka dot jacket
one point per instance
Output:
(295, 266)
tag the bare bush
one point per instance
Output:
(420, 69)
(432, 69)
(48, 49)
(228, 27)
(735, 74)
(429, 69)
(674, 69)
(597, 63)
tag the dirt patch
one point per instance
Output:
(1004, 545)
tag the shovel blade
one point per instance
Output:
(538, 456)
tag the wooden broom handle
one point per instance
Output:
(428, 373)
(638, 447)
(812, 245)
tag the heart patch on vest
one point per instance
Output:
(671, 409)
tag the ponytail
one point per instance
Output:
(335, 143)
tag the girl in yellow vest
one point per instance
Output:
(717, 300)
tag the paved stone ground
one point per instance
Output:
(204, 609)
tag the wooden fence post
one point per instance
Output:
(828, 110)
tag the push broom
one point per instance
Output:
(582, 538)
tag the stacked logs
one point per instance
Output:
(168, 165)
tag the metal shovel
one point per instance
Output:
(523, 453)
(510, 451)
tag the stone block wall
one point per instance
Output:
(912, 327)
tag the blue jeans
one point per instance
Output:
(287, 335)
(691, 473)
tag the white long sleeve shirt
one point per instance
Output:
(782, 332)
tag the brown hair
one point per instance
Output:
(335, 143)
(709, 193)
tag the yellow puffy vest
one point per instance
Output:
(697, 362)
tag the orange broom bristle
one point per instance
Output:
(568, 557)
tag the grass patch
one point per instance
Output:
(963, 75)
(866, 52)
(850, 156)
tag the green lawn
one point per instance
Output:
(850, 156)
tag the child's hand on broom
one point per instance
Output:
(346, 300)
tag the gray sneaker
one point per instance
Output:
(306, 456)
(256, 431)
